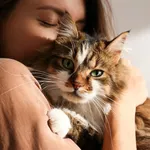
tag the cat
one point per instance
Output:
(82, 77)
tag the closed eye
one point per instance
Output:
(47, 24)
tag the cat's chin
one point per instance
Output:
(71, 97)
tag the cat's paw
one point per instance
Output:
(59, 122)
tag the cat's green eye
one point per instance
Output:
(67, 63)
(96, 73)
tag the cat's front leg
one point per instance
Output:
(82, 132)
(59, 122)
(69, 124)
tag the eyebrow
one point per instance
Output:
(59, 11)
(55, 9)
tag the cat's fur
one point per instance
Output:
(81, 96)
(143, 126)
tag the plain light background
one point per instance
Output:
(135, 15)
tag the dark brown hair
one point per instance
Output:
(99, 18)
(6, 6)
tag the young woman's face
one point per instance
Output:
(33, 25)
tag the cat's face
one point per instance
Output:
(82, 68)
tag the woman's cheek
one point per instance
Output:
(24, 41)
(35, 29)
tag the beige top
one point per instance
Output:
(23, 109)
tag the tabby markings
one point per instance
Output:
(82, 53)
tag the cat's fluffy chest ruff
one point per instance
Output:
(93, 113)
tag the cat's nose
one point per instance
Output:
(76, 85)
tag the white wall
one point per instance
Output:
(135, 15)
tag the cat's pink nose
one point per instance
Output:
(76, 85)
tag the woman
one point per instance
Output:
(27, 26)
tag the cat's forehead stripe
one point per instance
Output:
(92, 62)
(82, 52)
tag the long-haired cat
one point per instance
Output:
(82, 76)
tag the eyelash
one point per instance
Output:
(46, 24)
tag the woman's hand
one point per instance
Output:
(119, 133)
(135, 92)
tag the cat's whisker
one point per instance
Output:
(51, 84)
(100, 94)
(47, 77)
(106, 120)
(40, 74)
(97, 99)
(37, 70)
(41, 79)
(111, 109)
(101, 105)
(90, 110)
(117, 103)
(49, 87)
(42, 85)
(46, 81)
(97, 107)
(34, 71)
(45, 84)
(103, 102)
(52, 89)
(44, 75)
(105, 117)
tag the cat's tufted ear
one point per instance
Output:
(67, 29)
(115, 46)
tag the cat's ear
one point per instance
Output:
(115, 46)
(67, 29)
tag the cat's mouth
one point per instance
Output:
(80, 95)
(76, 97)
(75, 93)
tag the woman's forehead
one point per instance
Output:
(76, 8)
